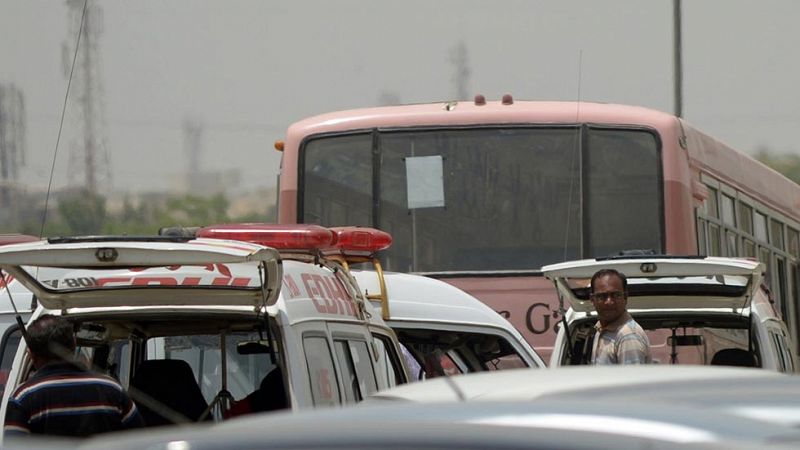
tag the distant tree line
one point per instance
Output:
(79, 212)
(786, 163)
(82, 213)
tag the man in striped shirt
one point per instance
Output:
(62, 397)
(619, 339)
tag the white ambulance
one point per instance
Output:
(199, 324)
(695, 310)
(445, 330)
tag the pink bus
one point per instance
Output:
(483, 193)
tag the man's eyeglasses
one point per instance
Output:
(601, 296)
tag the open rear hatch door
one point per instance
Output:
(101, 272)
(660, 282)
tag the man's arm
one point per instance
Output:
(17, 419)
(130, 414)
(633, 349)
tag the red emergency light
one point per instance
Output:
(360, 240)
(281, 237)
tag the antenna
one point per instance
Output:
(12, 145)
(460, 61)
(193, 147)
(574, 154)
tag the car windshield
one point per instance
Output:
(512, 198)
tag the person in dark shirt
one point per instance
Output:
(270, 396)
(62, 397)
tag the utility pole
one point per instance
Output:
(677, 57)
(193, 147)
(12, 142)
(88, 155)
(461, 71)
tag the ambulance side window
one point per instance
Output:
(324, 388)
(352, 393)
(389, 370)
(358, 376)
(8, 350)
(779, 340)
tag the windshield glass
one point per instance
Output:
(489, 198)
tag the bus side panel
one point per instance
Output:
(529, 302)
(678, 209)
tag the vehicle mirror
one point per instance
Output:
(91, 335)
(252, 347)
(685, 340)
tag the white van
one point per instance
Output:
(696, 310)
(198, 323)
(446, 330)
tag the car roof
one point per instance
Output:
(523, 425)
(417, 298)
(664, 282)
(529, 384)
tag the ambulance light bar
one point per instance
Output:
(359, 241)
(281, 237)
(346, 241)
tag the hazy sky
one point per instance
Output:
(250, 68)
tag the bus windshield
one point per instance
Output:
(489, 198)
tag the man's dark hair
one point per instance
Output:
(51, 337)
(610, 272)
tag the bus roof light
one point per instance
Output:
(282, 237)
(480, 100)
(279, 145)
(361, 241)
(507, 99)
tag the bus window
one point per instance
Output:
(761, 227)
(727, 211)
(748, 248)
(780, 284)
(702, 241)
(711, 203)
(764, 257)
(336, 169)
(713, 240)
(730, 243)
(776, 234)
(793, 241)
(794, 274)
(745, 218)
